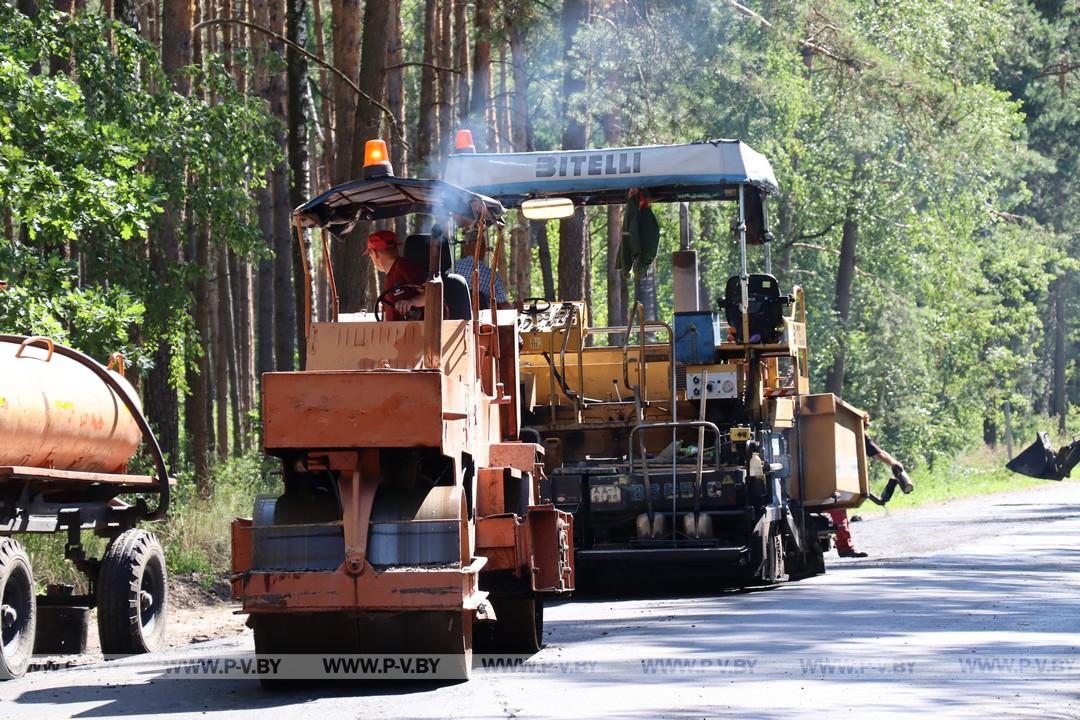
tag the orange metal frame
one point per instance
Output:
(449, 394)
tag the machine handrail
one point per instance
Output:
(698, 468)
(676, 424)
(643, 328)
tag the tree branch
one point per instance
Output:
(314, 58)
(822, 248)
(1058, 69)
(801, 42)
(433, 66)
(820, 233)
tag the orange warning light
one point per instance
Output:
(376, 159)
(463, 143)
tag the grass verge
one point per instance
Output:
(196, 534)
(980, 471)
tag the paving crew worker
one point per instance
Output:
(464, 268)
(406, 276)
(844, 545)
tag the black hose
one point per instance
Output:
(886, 494)
(148, 435)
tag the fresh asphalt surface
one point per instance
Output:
(971, 609)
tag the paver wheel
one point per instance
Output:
(132, 595)
(18, 609)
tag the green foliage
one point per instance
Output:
(978, 471)
(197, 535)
(93, 146)
(907, 123)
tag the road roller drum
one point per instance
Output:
(56, 413)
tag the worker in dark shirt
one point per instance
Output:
(844, 545)
(405, 278)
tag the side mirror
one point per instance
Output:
(547, 208)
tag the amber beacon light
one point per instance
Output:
(463, 142)
(376, 160)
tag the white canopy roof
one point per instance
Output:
(703, 170)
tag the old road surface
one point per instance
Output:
(966, 610)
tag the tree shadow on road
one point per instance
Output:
(167, 696)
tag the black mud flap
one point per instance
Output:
(1040, 461)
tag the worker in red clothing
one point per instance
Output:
(404, 279)
(844, 545)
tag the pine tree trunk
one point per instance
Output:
(520, 139)
(240, 275)
(845, 278)
(427, 138)
(521, 261)
(346, 42)
(372, 80)
(521, 136)
(538, 229)
(326, 106)
(358, 287)
(446, 78)
(299, 252)
(483, 132)
(264, 280)
(264, 325)
(502, 105)
(1058, 404)
(616, 280)
(284, 287)
(161, 400)
(395, 100)
(573, 231)
(461, 60)
(224, 346)
(200, 387)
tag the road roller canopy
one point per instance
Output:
(380, 198)
(710, 170)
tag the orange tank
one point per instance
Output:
(55, 413)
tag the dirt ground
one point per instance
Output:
(196, 615)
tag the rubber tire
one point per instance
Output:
(17, 585)
(518, 629)
(133, 560)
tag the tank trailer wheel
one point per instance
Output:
(132, 595)
(18, 610)
(518, 629)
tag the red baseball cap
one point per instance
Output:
(381, 240)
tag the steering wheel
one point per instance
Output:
(392, 295)
(532, 306)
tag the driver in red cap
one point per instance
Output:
(404, 279)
